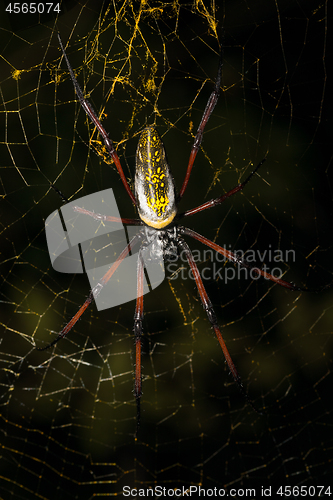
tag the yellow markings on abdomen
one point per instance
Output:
(154, 185)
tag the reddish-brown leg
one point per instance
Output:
(93, 293)
(199, 135)
(137, 329)
(108, 218)
(234, 258)
(207, 305)
(220, 199)
(93, 117)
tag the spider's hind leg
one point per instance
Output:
(208, 307)
(137, 329)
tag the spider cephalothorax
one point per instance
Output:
(156, 202)
(162, 243)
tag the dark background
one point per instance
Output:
(68, 414)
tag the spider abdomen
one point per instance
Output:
(154, 186)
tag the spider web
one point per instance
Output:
(68, 414)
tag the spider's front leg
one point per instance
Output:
(96, 122)
(223, 197)
(213, 98)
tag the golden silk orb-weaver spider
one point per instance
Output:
(156, 201)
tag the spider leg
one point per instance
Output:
(108, 218)
(137, 329)
(220, 199)
(96, 216)
(237, 260)
(207, 305)
(93, 293)
(199, 135)
(94, 118)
